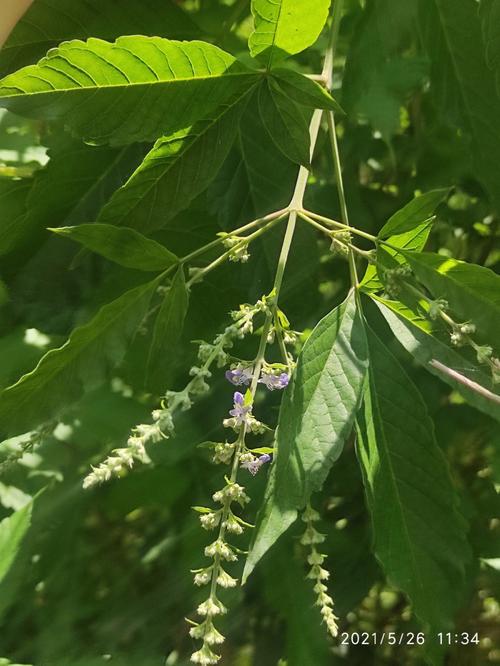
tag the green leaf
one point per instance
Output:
(417, 336)
(101, 89)
(13, 196)
(419, 532)
(285, 27)
(256, 178)
(410, 240)
(413, 214)
(167, 332)
(316, 417)
(285, 124)
(489, 12)
(380, 75)
(472, 292)
(454, 41)
(46, 25)
(72, 187)
(12, 531)
(124, 246)
(303, 90)
(63, 374)
(174, 172)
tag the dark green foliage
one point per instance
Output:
(138, 139)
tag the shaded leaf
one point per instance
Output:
(101, 89)
(381, 72)
(419, 534)
(72, 187)
(459, 69)
(489, 11)
(167, 332)
(122, 245)
(285, 124)
(173, 173)
(415, 334)
(303, 90)
(64, 373)
(285, 27)
(13, 196)
(472, 291)
(316, 417)
(418, 211)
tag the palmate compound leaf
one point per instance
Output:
(285, 123)
(167, 333)
(285, 27)
(64, 373)
(135, 89)
(433, 352)
(316, 418)
(122, 245)
(472, 291)
(174, 172)
(419, 533)
(47, 23)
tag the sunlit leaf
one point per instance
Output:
(316, 418)
(101, 89)
(121, 245)
(285, 27)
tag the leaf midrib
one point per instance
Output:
(117, 86)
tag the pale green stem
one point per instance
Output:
(236, 232)
(310, 217)
(202, 272)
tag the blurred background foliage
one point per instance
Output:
(103, 575)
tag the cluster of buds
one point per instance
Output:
(237, 246)
(218, 551)
(245, 315)
(318, 573)
(341, 241)
(460, 334)
(122, 459)
(437, 308)
(394, 278)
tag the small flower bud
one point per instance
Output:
(209, 521)
(205, 656)
(211, 607)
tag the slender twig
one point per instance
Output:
(310, 217)
(202, 272)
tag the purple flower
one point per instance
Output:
(273, 382)
(240, 411)
(254, 465)
(239, 375)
